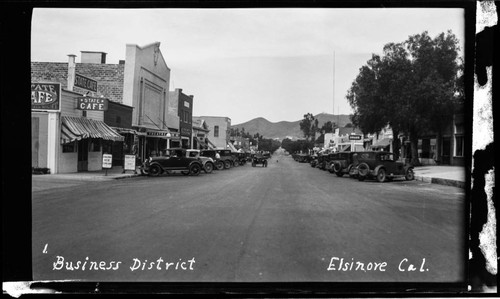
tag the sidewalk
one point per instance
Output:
(443, 175)
(100, 175)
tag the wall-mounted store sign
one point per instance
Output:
(46, 96)
(85, 83)
(354, 137)
(90, 103)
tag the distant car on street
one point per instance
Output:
(174, 159)
(259, 159)
(382, 166)
(227, 158)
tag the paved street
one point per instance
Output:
(286, 222)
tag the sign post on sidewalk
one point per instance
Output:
(107, 161)
(129, 163)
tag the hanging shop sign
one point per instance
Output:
(85, 83)
(46, 96)
(107, 161)
(91, 103)
(354, 137)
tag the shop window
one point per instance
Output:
(95, 145)
(216, 131)
(69, 147)
(459, 146)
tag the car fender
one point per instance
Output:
(406, 167)
(375, 171)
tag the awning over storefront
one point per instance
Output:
(382, 143)
(201, 143)
(210, 144)
(125, 130)
(77, 128)
(231, 147)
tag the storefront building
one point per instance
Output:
(185, 114)
(67, 137)
(219, 130)
(200, 134)
(146, 88)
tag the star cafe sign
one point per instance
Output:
(46, 96)
(92, 103)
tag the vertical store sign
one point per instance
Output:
(46, 96)
(107, 160)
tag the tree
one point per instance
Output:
(309, 126)
(414, 88)
(328, 127)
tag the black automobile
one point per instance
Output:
(382, 166)
(259, 159)
(227, 158)
(219, 163)
(174, 159)
(342, 163)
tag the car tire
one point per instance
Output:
(194, 169)
(209, 167)
(337, 167)
(410, 175)
(235, 164)
(154, 170)
(381, 176)
(227, 164)
(363, 169)
(219, 165)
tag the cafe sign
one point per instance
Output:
(46, 96)
(85, 83)
(354, 137)
(91, 103)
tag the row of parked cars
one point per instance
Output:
(193, 161)
(379, 165)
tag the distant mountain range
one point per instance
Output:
(283, 129)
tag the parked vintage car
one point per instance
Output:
(382, 166)
(259, 159)
(219, 164)
(227, 158)
(313, 160)
(174, 159)
(332, 157)
(241, 158)
(208, 163)
(342, 163)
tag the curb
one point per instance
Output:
(440, 181)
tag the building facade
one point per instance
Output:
(185, 114)
(219, 130)
(136, 93)
(200, 134)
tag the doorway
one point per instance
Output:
(446, 149)
(83, 155)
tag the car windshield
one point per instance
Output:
(193, 154)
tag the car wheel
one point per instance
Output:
(235, 164)
(144, 171)
(219, 165)
(381, 175)
(336, 166)
(227, 164)
(154, 170)
(209, 167)
(410, 175)
(363, 169)
(194, 169)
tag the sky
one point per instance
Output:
(276, 63)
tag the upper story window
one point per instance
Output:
(216, 131)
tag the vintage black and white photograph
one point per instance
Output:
(249, 145)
